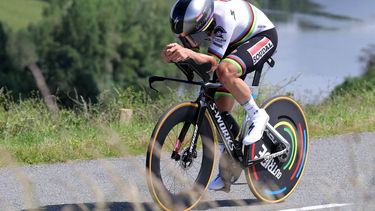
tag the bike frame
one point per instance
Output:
(205, 103)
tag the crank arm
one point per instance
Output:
(266, 157)
(272, 132)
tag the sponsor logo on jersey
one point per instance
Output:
(217, 44)
(260, 49)
(219, 32)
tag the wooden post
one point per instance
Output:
(125, 115)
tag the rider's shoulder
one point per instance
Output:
(220, 7)
(223, 7)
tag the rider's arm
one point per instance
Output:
(176, 53)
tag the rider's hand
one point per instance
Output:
(175, 53)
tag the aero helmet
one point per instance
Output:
(191, 16)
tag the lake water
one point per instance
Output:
(320, 51)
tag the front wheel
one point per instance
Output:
(178, 180)
(274, 180)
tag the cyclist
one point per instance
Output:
(242, 38)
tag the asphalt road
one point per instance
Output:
(340, 174)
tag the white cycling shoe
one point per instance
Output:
(260, 120)
(216, 184)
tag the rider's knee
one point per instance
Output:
(226, 72)
(225, 103)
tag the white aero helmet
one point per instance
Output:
(191, 16)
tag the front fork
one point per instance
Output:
(191, 151)
(178, 144)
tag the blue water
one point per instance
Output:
(321, 58)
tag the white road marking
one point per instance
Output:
(318, 207)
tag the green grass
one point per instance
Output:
(342, 114)
(349, 109)
(20, 13)
(30, 134)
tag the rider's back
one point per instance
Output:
(236, 22)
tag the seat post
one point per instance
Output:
(256, 81)
(258, 74)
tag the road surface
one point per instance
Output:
(340, 174)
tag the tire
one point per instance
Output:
(274, 180)
(194, 178)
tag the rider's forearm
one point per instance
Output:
(203, 58)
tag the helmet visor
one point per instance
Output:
(193, 40)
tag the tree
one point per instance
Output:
(12, 76)
(91, 46)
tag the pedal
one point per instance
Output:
(266, 157)
(270, 136)
(284, 157)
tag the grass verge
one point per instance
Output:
(342, 114)
(33, 135)
(349, 109)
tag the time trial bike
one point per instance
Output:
(183, 147)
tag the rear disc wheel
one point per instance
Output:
(274, 180)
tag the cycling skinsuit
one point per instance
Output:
(243, 36)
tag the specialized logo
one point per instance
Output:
(260, 49)
(223, 127)
(233, 14)
(176, 21)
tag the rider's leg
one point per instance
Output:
(224, 103)
(229, 75)
(233, 68)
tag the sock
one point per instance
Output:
(221, 147)
(251, 107)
